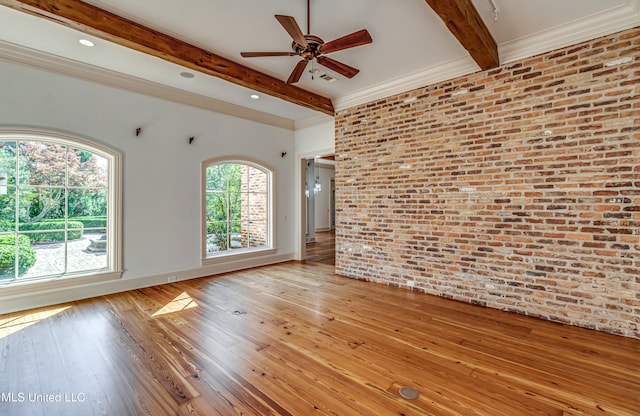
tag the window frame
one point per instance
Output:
(114, 212)
(244, 253)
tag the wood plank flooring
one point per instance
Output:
(323, 249)
(294, 339)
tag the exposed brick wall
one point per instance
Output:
(516, 188)
(254, 207)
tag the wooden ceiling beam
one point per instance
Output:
(463, 20)
(103, 24)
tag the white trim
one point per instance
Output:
(431, 75)
(20, 302)
(611, 21)
(312, 121)
(300, 196)
(31, 57)
(114, 209)
(601, 24)
(230, 256)
(35, 286)
(237, 255)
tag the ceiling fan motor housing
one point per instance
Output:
(310, 47)
(311, 50)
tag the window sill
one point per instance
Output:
(238, 256)
(17, 288)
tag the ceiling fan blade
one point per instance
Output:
(339, 67)
(259, 54)
(358, 38)
(297, 72)
(291, 26)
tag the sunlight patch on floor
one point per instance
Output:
(180, 303)
(15, 323)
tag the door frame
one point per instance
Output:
(301, 211)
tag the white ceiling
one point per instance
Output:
(411, 45)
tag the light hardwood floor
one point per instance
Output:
(294, 339)
(323, 249)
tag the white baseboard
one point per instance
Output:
(24, 301)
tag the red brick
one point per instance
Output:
(547, 151)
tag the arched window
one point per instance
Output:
(237, 208)
(59, 207)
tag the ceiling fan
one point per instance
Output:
(311, 47)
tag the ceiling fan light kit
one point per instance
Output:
(310, 47)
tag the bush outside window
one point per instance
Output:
(56, 209)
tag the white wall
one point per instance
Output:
(161, 170)
(322, 199)
(317, 140)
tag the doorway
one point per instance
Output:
(319, 179)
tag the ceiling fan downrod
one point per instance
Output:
(312, 48)
(308, 18)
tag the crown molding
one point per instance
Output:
(26, 56)
(614, 20)
(314, 120)
(601, 24)
(434, 74)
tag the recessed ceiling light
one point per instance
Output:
(86, 42)
(186, 74)
(255, 96)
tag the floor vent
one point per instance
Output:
(409, 393)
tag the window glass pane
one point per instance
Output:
(8, 256)
(258, 206)
(56, 193)
(49, 253)
(217, 236)
(86, 169)
(244, 178)
(7, 208)
(7, 270)
(88, 206)
(257, 180)
(88, 252)
(234, 173)
(216, 209)
(236, 195)
(236, 235)
(39, 206)
(7, 163)
(235, 205)
(220, 177)
(42, 164)
(254, 233)
(258, 233)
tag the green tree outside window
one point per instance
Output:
(236, 207)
